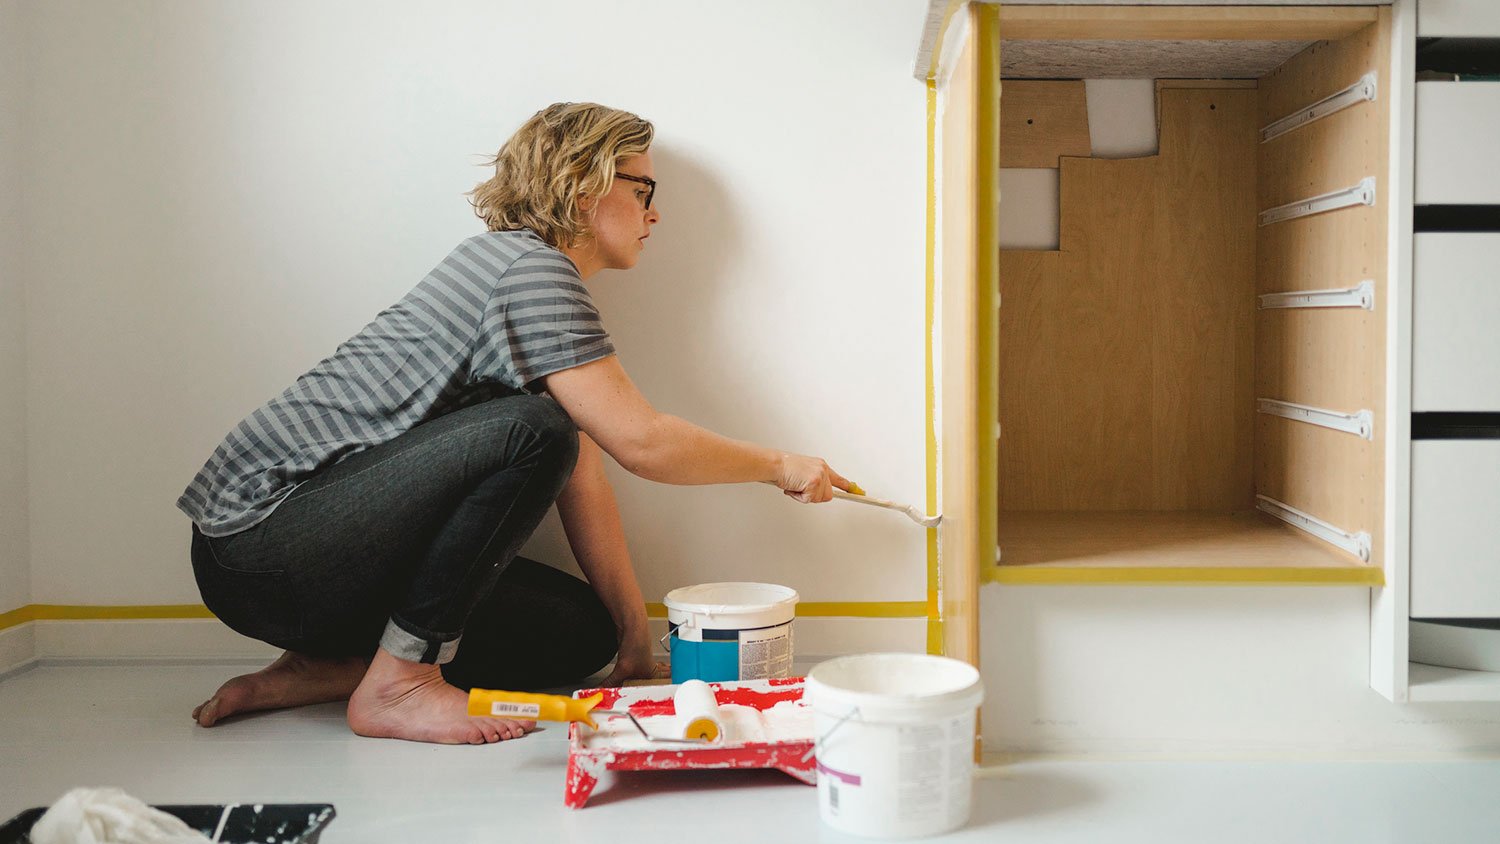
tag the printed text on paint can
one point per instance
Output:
(933, 758)
(766, 653)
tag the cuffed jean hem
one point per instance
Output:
(404, 645)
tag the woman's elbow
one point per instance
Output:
(642, 453)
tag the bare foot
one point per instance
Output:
(412, 701)
(292, 680)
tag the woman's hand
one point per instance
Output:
(809, 479)
(635, 662)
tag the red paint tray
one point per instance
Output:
(590, 753)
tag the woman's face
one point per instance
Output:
(622, 221)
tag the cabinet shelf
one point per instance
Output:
(1185, 547)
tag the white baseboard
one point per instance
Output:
(149, 639)
(175, 640)
(17, 649)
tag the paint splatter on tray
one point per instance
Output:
(767, 726)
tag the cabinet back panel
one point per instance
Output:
(1126, 373)
(1043, 121)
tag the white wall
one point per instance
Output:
(221, 193)
(15, 584)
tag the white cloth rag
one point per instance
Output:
(109, 816)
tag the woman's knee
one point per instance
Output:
(553, 428)
(517, 430)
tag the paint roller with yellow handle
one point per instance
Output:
(533, 707)
(494, 703)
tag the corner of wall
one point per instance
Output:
(17, 643)
(17, 649)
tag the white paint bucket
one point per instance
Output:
(895, 743)
(720, 632)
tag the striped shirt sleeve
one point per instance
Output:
(539, 320)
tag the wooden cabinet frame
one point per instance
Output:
(960, 62)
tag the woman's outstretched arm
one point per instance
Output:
(606, 405)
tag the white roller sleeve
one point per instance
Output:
(695, 703)
(109, 816)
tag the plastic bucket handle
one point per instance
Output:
(818, 743)
(665, 640)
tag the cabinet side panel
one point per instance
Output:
(1331, 358)
(959, 529)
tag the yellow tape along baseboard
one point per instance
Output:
(162, 612)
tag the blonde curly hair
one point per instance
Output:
(564, 152)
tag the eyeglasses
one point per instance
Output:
(649, 183)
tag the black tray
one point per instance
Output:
(277, 823)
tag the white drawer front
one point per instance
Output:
(1455, 529)
(1456, 321)
(1463, 18)
(1458, 143)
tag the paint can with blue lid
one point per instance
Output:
(722, 632)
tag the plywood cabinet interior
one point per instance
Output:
(1133, 359)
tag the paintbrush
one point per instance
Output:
(858, 496)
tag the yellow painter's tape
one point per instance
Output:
(1183, 576)
(837, 609)
(163, 612)
(86, 612)
(934, 610)
(937, 44)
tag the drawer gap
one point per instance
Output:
(1455, 426)
(1456, 218)
(1458, 56)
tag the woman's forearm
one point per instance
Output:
(675, 451)
(604, 403)
(591, 520)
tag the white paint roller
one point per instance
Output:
(698, 715)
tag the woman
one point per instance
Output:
(367, 519)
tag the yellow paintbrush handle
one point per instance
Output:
(853, 487)
(532, 707)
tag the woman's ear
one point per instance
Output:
(586, 203)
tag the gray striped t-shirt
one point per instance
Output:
(501, 311)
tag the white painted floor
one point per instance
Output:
(128, 726)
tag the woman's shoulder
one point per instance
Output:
(502, 250)
(517, 242)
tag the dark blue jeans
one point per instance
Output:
(411, 546)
